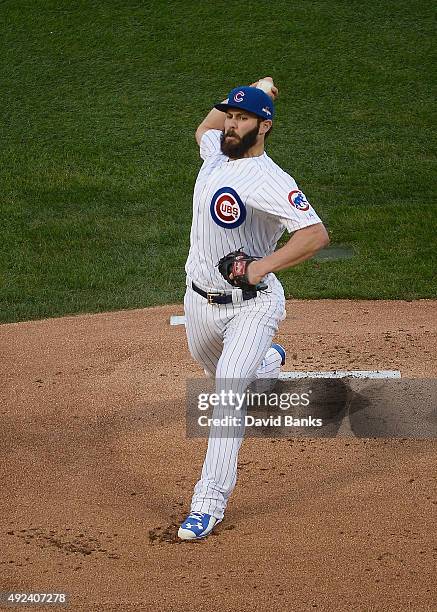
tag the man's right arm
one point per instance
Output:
(214, 120)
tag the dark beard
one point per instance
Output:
(237, 148)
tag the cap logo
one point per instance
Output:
(267, 111)
(239, 96)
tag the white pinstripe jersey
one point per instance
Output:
(247, 203)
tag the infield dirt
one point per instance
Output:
(96, 472)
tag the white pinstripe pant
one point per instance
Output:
(232, 343)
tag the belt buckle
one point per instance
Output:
(210, 297)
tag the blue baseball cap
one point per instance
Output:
(250, 99)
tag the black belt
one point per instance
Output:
(219, 298)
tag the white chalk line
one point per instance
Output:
(342, 374)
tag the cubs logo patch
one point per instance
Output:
(227, 208)
(238, 97)
(298, 200)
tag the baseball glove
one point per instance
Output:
(236, 263)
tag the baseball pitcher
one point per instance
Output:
(242, 204)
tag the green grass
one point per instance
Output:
(393, 257)
(99, 103)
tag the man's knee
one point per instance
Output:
(238, 372)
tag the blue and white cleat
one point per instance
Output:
(281, 351)
(197, 526)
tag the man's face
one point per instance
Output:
(240, 133)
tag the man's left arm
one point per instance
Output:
(303, 244)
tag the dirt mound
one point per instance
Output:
(97, 472)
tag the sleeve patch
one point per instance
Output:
(298, 200)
